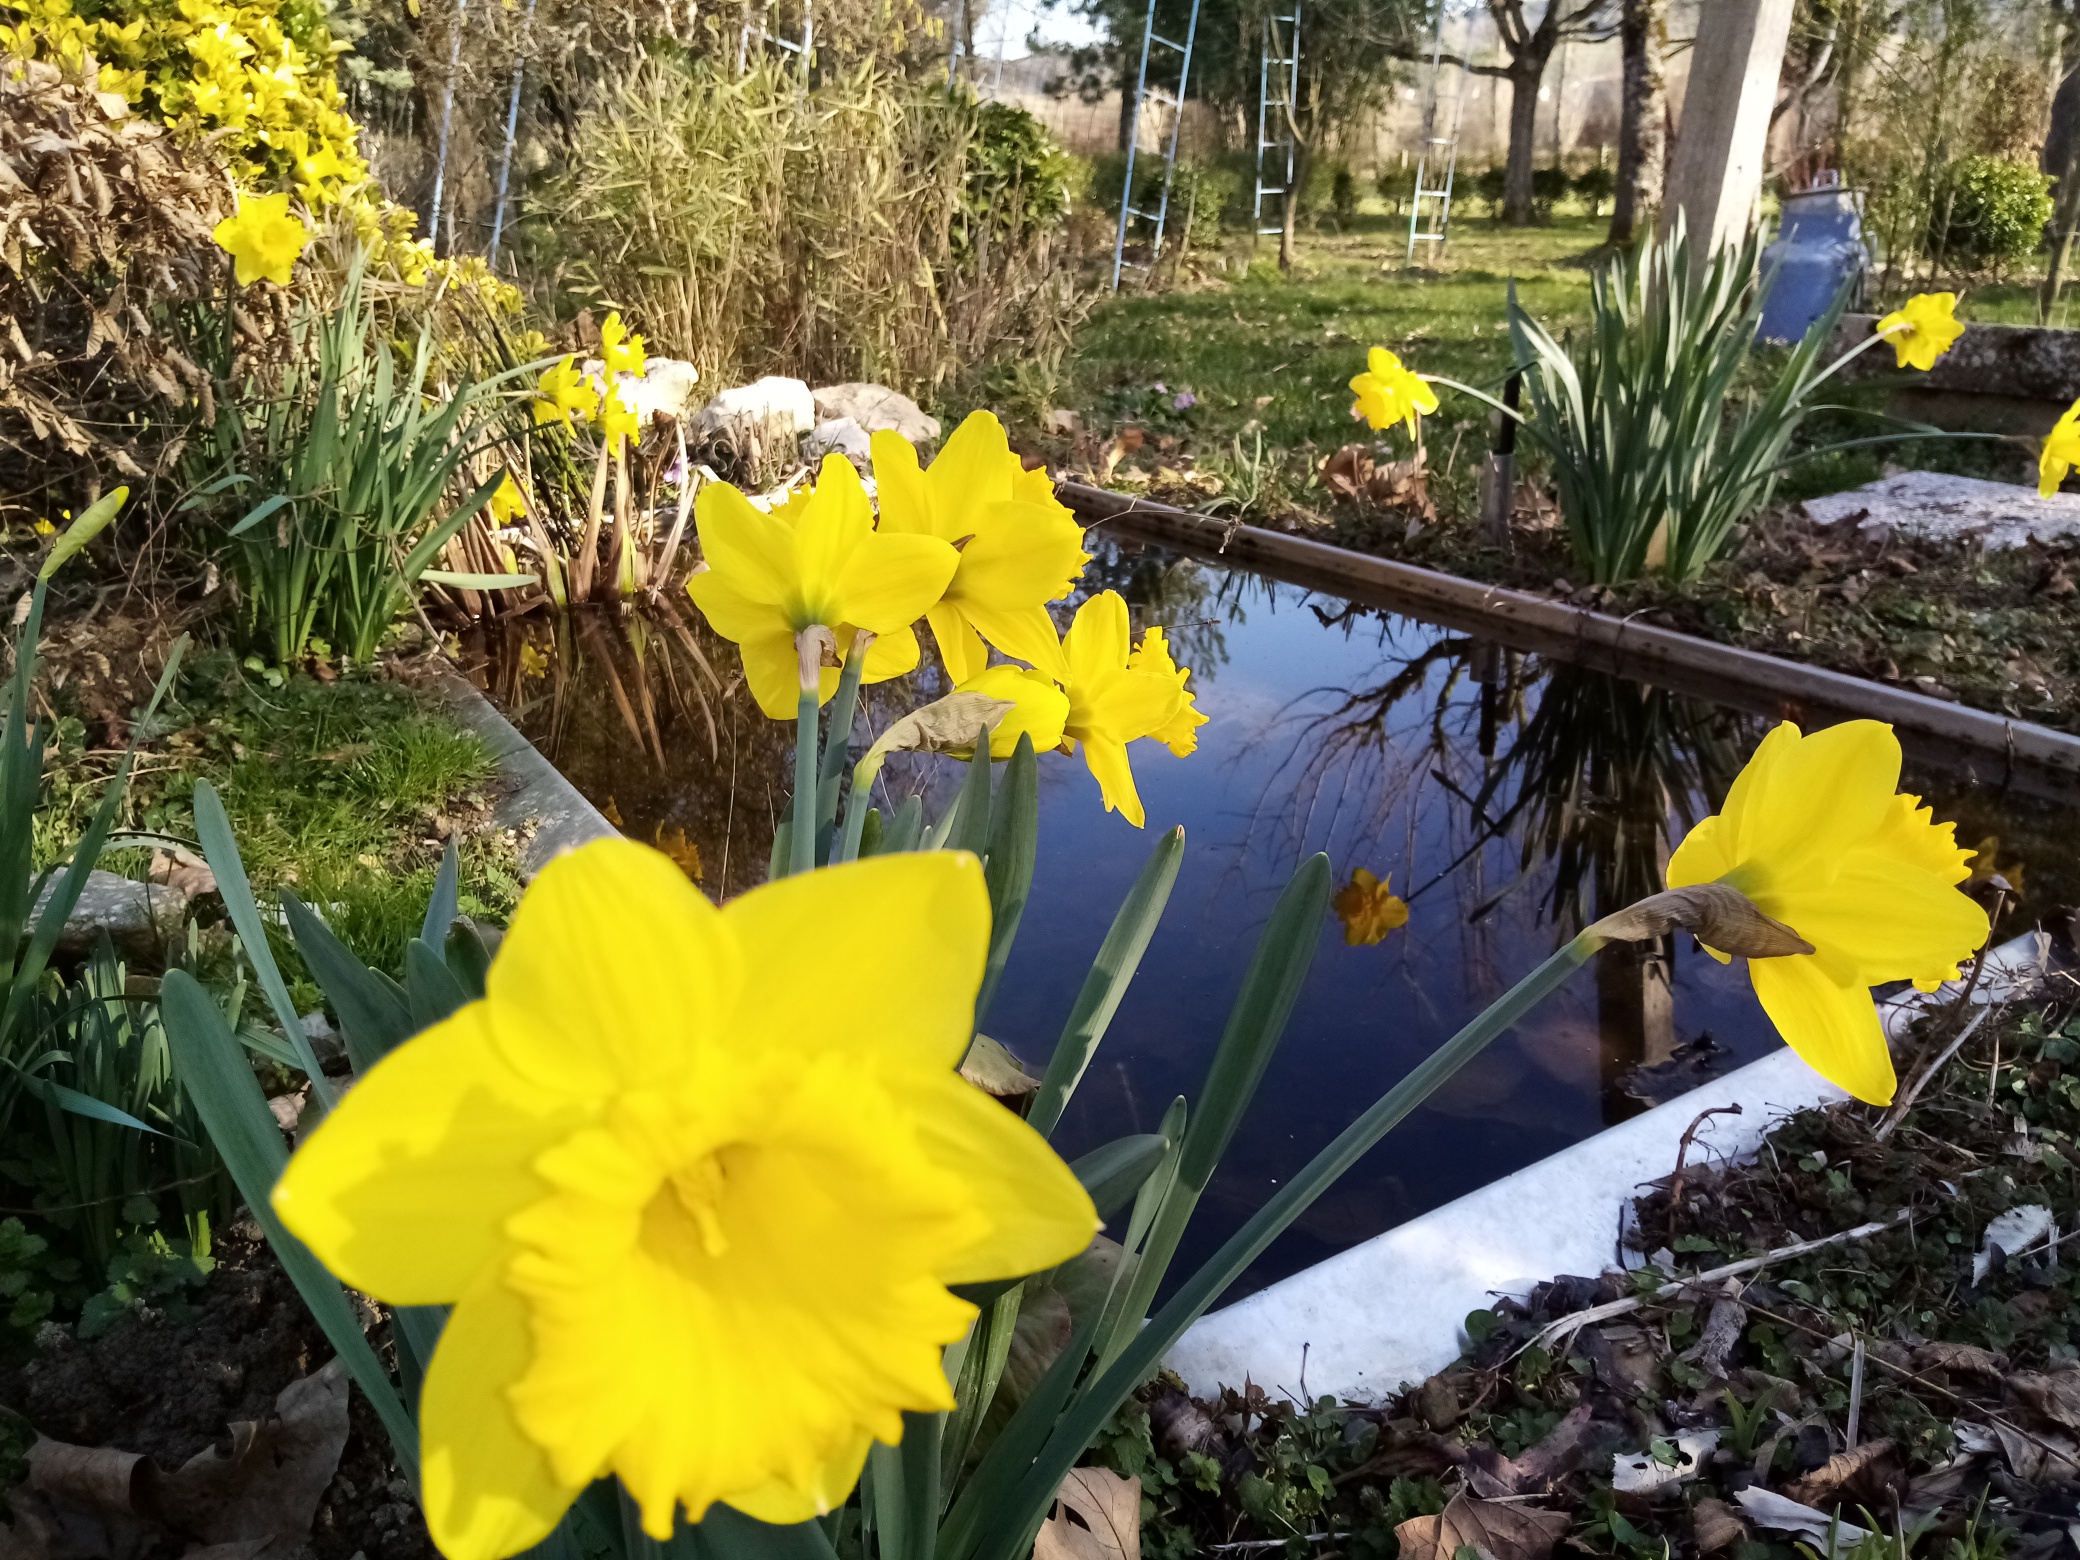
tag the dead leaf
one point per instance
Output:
(2049, 1459)
(1716, 1526)
(1959, 1358)
(1771, 1510)
(1502, 1532)
(1096, 1516)
(1128, 443)
(2054, 1397)
(1865, 1476)
(991, 1067)
(181, 869)
(945, 725)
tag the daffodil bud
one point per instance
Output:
(1723, 918)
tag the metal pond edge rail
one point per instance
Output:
(1989, 749)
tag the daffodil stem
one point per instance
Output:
(843, 708)
(1094, 1405)
(864, 773)
(802, 826)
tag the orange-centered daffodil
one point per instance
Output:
(1113, 701)
(2061, 452)
(263, 239)
(1816, 833)
(1019, 547)
(1388, 393)
(1922, 329)
(815, 560)
(696, 1182)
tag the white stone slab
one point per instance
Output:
(1388, 1312)
(1942, 507)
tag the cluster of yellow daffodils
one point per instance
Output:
(255, 77)
(2061, 452)
(697, 1215)
(1816, 834)
(567, 395)
(974, 545)
(1390, 393)
(1922, 329)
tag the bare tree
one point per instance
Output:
(1530, 49)
(2061, 158)
(1642, 119)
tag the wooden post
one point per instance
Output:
(1715, 177)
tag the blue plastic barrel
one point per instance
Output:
(1819, 246)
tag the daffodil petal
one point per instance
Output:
(890, 580)
(1801, 794)
(972, 467)
(882, 957)
(1889, 917)
(404, 1190)
(1099, 638)
(960, 647)
(781, 1504)
(1040, 1216)
(1130, 705)
(1703, 856)
(731, 613)
(754, 550)
(833, 530)
(1107, 762)
(488, 1490)
(1021, 552)
(1831, 1025)
(899, 487)
(614, 964)
(891, 655)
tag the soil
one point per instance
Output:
(169, 1389)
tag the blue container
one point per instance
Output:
(1819, 246)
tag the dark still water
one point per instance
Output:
(1510, 798)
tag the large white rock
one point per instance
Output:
(666, 385)
(875, 407)
(774, 405)
(1940, 507)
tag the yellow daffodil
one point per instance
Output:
(618, 421)
(1181, 734)
(1922, 329)
(1368, 909)
(1388, 393)
(1817, 834)
(1019, 547)
(621, 352)
(507, 502)
(815, 560)
(563, 393)
(263, 239)
(2061, 452)
(1038, 708)
(45, 527)
(1113, 702)
(695, 1182)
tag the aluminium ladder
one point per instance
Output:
(801, 48)
(1146, 96)
(1278, 90)
(1441, 118)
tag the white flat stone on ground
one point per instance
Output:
(1388, 1312)
(1941, 507)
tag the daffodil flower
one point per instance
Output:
(1181, 733)
(2061, 452)
(1368, 908)
(563, 393)
(621, 352)
(618, 421)
(1019, 547)
(816, 560)
(263, 239)
(1389, 393)
(507, 501)
(1113, 702)
(1922, 329)
(1816, 833)
(1038, 708)
(695, 1182)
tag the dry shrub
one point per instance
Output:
(851, 230)
(103, 221)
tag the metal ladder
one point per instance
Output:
(1278, 85)
(799, 48)
(1440, 114)
(1145, 96)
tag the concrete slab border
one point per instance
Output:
(538, 793)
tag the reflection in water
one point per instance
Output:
(1511, 800)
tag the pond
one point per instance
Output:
(1511, 797)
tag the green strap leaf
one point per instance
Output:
(430, 986)
(1119, 956)
(89, 525)
(1008, 870)
(373, 1015)
(1113, 1173)
(444, 905)
(212, 1067)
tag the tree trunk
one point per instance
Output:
(1126, 107)
(1303, 159)
(1524, 76)
(2062, 139)
(1642, 120)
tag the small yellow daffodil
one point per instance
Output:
(1113, 702)
(1816, 833)
(1922, 329)
(618, 421)
(621, 352)
(563, 393)
(44, 527)
(2061, 452)
(1368, 909)
(507, 502)
(815, 560)
(263, 239)
(1019, 547)
(1389, 393)
(1038, 708)
(1181, 734)
(696, 1211)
